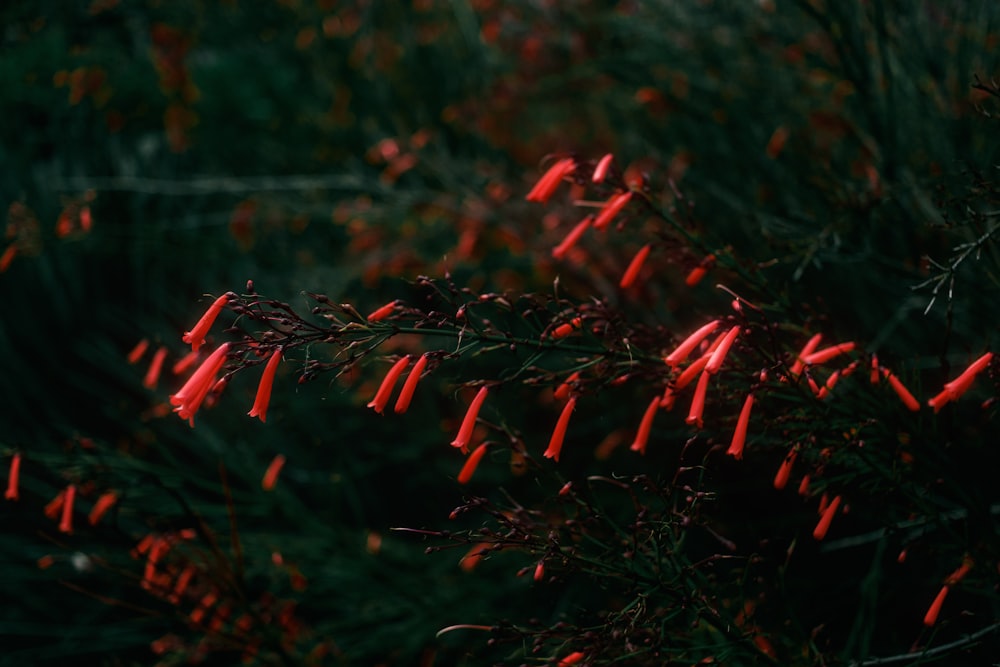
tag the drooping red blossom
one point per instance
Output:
(66, 521)
(471, 463)
(104, 503)
(196, 336)
(740, 434)
(696, 274)
(785, 470)
(562, 392)
(382, 312)
(826, 354)
(140, 349)
(13, 478)
(384, 392)
(155, 367)
(469, 423)
(807, 349)
(263, 398)
(904, 394)
(827, 517)
(571, 239)
(715, 361)
(410, 385)
(559, 433)
(190, 396)
(678, 356)
(698, 401)
(601, 170)
(271, 474)
(549, 182)
(632, 272)
(610, 209)
(645, 427)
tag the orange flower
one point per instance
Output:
(807, 349)
(575, 234)
(566, 328)
(197, 335)
(388, 384)
(140, 349)
(189, 397)
(715, 361)
(904, 394)
(66, 523)
(471, 464)
(645, 426)
(785, 471)
(684, 349)
(383, 312)
(559, 433)
(103, 504)
(469, 423)
(632, 272)
(155, 366)
(13, 477)
(740, 434)
(824, 521)
(698, 402)
(601, 171)
(263, 398)
(826, 354)
(563, 391)
(271, 474)
(611, 208)
(410, 386)
(549, 182)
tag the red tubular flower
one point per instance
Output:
(566, 328)
(601, 171)
(66, 522)
(549, 182)
(807, 349)
(140, 349)
(904, 394)
(785, 471)
(740, 434)
(698, 273)
(684, 349)
(539, 571)
(559, 433)
(410, 386)
(469, 423)
(263, 398)
(570, 240)
(105, 502)
(9, 253)
(271, 474)
(875, 370)
(804, 486)
(961, 384)
(562, 392)
(13, 478)
(184, 363)
(824, 521)
(155, 366)
(715, 361)
(471, 464)
(632, 272)
(698, 402)
(381, 313)
(388, 384)
(571, 659)
(930, 618)
(189, 397)
(54, 506)
(645, 426)
(826, 354)
(197, 335)
(611, 208)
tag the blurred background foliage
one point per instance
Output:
(348, 147)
